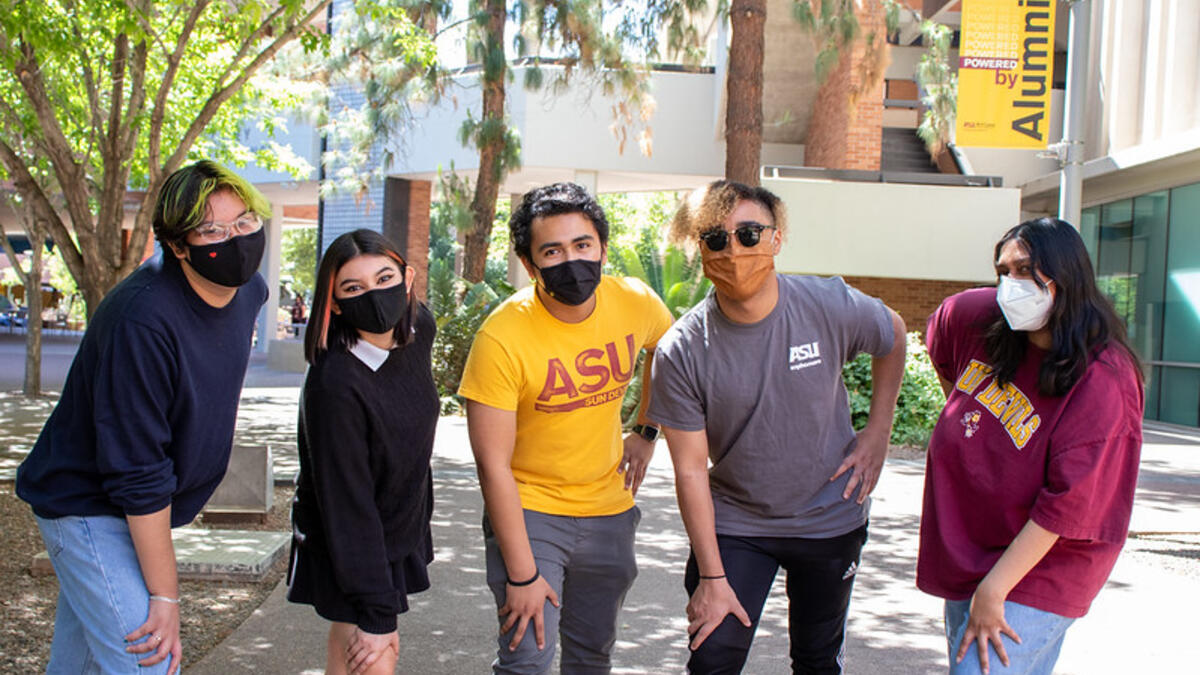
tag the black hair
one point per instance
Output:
(327, 330)
(183, 201)
(1082, 319)
(553, 200)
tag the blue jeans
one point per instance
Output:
(590, 564)
(1041, 634)
(102, 596)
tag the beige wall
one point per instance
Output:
(893, 230)
(1145, 82)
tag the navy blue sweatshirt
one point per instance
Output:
(147, 414)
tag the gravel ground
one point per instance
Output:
(211, 610)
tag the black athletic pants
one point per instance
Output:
(820, 576)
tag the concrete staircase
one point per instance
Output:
(903, 150)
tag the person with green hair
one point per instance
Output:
(142, 433)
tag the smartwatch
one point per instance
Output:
(646, 431)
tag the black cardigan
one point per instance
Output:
(365, 492)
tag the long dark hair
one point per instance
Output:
(326, 330)
(1081, 321)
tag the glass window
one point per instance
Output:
(1180, 396)
(1089, 229)
(1147, 253)
(1112, 272)
(1181, 308)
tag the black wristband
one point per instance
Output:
(717, 576)
(536, 575)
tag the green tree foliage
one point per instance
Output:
(635, 249)
(377, 49)
(939, 88)
(109, 96)
(921, 399)
(458, 306)
(603, 46)
(299, 257)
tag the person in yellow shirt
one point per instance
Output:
(544, 383)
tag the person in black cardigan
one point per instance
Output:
(361, 539)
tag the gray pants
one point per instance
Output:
(590, 564)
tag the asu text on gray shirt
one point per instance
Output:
(771, 399)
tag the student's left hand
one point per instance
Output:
(866, 462)
(364, 649)
(638, 452)
(985, 624)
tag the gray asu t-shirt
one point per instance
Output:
(771, 398)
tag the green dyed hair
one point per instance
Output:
(184, 199)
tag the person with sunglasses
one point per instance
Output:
(142, 433)
(768, 470)
(364, 496)
(544, 384)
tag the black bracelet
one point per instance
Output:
(719, 576)
(536, 575)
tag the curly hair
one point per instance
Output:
(707, 207)
(553, 200)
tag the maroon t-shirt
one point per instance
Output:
(1001, 456)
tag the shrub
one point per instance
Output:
(458, 321)
(920, 401)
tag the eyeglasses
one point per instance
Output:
(215, 233)
(748, 235)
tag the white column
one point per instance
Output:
(269, 268)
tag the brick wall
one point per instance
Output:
(913, 299)
(841, 136)
(864, 135)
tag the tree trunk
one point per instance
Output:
(33, 321)
(491, 139)
(744, 85)
(32, 280)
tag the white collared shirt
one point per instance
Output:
(369, 354)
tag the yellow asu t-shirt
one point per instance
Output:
(566, 382)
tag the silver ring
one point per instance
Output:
(157, 639)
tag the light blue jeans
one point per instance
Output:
(1041, 634)
(102, 596)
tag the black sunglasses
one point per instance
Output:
(748, 235)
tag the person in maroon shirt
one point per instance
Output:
(1032, 465)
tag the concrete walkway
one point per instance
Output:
(1141, 622)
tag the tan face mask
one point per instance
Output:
(740, 276)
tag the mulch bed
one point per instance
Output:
(212, 610)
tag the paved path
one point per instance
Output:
(1142, 621)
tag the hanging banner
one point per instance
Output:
(1005, 73)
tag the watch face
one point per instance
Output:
(647, 432)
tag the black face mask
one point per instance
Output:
(230, 263)
(571, 282)
(376, 311)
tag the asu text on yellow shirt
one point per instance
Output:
(565, 382)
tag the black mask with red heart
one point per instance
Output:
(232, 262)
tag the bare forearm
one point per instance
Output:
(1026, 550)
(503, 504)
(696, 509)
(689, 455)
(644, 394)
(886, 374)
(151, 536)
